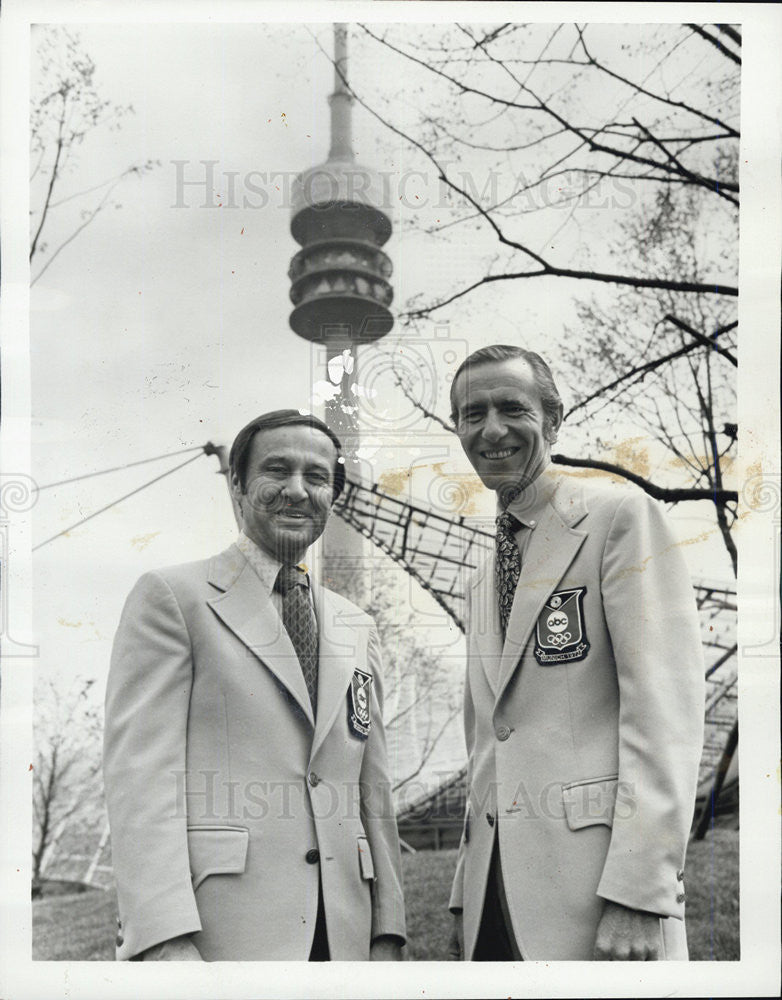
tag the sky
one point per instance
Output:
(165, 323)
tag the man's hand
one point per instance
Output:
(178, 949)
(625, 935)
(456, 942)
(386, 948)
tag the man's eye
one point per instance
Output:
(318, 478)
(472, 416)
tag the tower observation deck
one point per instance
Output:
(340, 279)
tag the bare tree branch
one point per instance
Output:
(650, 366)
(539, 105)
(67, 761)
(715, 42)
(563, 272)
(430, 746)
(88, 218)
(668, 494)
(707, 341)
(682, 105)
(432, 416)
(50, 188)
(135, 168)
(66, 108)
(718, 187)
(713, 288)
(732, 34)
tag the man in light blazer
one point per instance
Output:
(584, 697)
(245, 759)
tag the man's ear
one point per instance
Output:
(554, 425)
(236, 490)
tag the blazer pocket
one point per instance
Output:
(590, 802)
(217, 850)
(365, 864)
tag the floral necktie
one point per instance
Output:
(299, 621)
(507, 565)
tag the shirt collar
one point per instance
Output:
(266, 566)
(528, 506)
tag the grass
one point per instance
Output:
(82, 927)
(79, 927)
(712, 899)
(712, 880)
(427, 878)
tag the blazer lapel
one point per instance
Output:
(552, 547)
(249, 613)
(337, 658)
(484, 623)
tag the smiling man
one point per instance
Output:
(245, 762)
(584, 696)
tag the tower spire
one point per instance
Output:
(341, 100)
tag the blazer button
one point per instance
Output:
(490, 819)
(680, 875)
(312, 857)
(313, 778)
(120, 940)
(680, 898)
(503, 732)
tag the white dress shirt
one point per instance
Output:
(266, 568)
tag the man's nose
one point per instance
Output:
(294, 489)
(494, 428)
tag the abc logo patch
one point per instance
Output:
(560, 632)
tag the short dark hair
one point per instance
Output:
(240, 449)
(549, 394)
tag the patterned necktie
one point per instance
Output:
(507, 565)
(299, 621)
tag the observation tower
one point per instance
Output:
(341, 293)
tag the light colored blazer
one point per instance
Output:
(220, 789)
(585, 756)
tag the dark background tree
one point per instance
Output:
(537, 105)
(67, 781)
(66, 108)
(665, 361)
(606, 161)
(422, 697)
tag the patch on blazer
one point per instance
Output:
(359, 720)
(560, 630)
